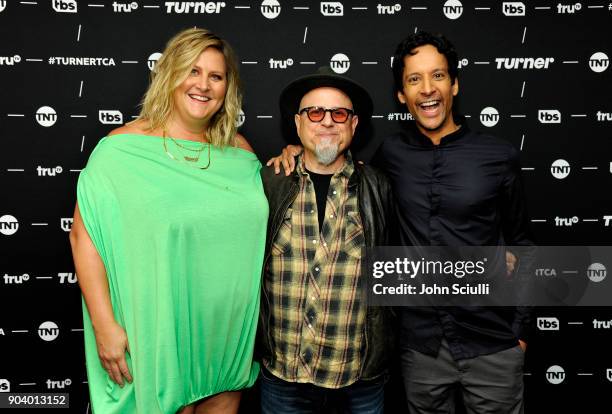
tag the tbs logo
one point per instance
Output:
(513, 8)
(110, 116)
(5, 385)
(549, 116)
(548, 324)
(332, 8)
(65, 6)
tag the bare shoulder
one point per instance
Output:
(138, 126)
(241, 142)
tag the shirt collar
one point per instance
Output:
(347, 168)
(416, 137)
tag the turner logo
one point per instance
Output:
(46, 116)
(603, 116)
(2, 5)
(124, 8)
(280, 64)
(548, 324)
(54, 385)
(241, 119)
(15, 279)
(566, 222)
(555, 374)
(599, 62)
(65, 278)
(568, 8)
(549, 116)
(340, 63)
(5, 385)
(270, 9)
(489, 116)
(453, 9)
(513, 8)
(596, 272)
(48, 331)
(602, 324)
(65, 6)
(332, 8)
(110, 116)
(560, 169)
(8, 225)
(524, 63)
(9, 60)
(49, 171)
(66, 223)
(198, 7)
(152, 60)
(396, 8)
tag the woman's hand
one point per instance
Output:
(287, 158)
(112, 344)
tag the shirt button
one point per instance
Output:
(311, 211)
(314, 242)
(312, 298)
(334, 192)
(324, 244)
(331, 216)
(309, 325)
(316, 269)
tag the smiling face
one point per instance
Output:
(325, 140)
(202, 93)
(428, 93)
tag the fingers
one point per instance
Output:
(123, 369)
(295, 150)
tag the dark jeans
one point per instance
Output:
(490, 384)
(279, 396)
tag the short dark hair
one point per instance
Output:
(421, 38)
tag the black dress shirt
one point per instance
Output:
(466, 191)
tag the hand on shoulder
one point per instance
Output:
(241, 142)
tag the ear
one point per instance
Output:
(297, 118)
(354, 122)
(455, 87)
(401, 97)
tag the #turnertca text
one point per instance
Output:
(412, 268)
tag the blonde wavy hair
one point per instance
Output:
(173, 67)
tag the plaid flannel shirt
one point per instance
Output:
(317, 306)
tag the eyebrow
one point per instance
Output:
(434, 70)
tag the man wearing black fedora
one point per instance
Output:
(320, 342)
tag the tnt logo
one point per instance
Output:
(46, 116)
(66, 223)
(555, 374)
(70, 278)
(396, 8)
(453, 9)
(2, 5)
(65, 6)
(548, 324)
(124, 8)
(8, 225)
(152, 60)
(340, 63)
(48, 331)
(49, 171)
(54, 385)
(280, 64)
(489, 116)
(5, 385)
(15, 279)
(270, 9)
(549, 116)
(546, 272)
(110, 116)
(596, 272)
(560, 169)
(513, 8)
(332, 8)
(241, 119)
(566, 222)
(599, 62)
(9, 60)
(568, 8)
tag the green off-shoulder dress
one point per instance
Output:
(183, 249)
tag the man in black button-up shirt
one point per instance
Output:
(454, 187)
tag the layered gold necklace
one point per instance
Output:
(189, 159)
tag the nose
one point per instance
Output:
(327, 120)
(427, 87)
(203, 83)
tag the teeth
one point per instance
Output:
(200, 98)
(429, 103)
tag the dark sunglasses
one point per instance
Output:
(317, 113)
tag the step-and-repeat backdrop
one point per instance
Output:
(535, 73)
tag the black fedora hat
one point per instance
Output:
(292, 94)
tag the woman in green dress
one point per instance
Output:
(168, 240)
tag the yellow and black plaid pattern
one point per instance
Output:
(317, 307)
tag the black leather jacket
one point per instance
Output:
(377, 212)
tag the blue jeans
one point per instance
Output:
(279, 396)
